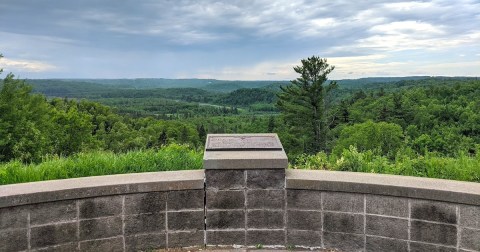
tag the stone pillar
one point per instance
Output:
(245, 189)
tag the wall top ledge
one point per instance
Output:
(77, 188)
(381, 184)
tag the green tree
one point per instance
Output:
(271, 124)
(304, 105)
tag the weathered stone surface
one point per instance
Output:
(470, 216)
(304, 220)
(226, 237)
(343, 242)
(114, 244)
(68, 247)
(304, 199)
(423, 247)
(100, 207)
(100, 228)
(265, 237)
(266, 179)
(225, 219)
(378, 244)
(343, 202)
(470, 239)
(433, 233)
(151, 202)
(225, 199)
(13, 240)
(53, 212)
(188, 199)
(239, 142)
(144, 223)
(145, 242)
(13, 217)
(265, 219)
(225, 179)
(185, 239)
(266, 199)
(304, 238)
(433, 211)
(54, 234)
(191, 220)
(343, 222)
(387, 227)
(385, 205)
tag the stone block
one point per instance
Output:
(225, 199)
(67, 247)
(387, 227)
(144, 223)
(187, 199)
(470, 239)
(145, 242)
(13, 217)
(100, 207)
(225, 179)
(13, 240)
(191, 220)
(266, 179)
(379, 244)
(266, 237)
(265, 219)
(185, 239)
(385, 205)
(422, 247)
(343, 202)
(266, 199)
(441, 234)
(100, 228)
(225, 219)
(151, 202)
(304, 220)
(433, 211)
(59, 211)
(470, 216)
(49, 235)
(226, 237)
(343, 222)
(304, 199)
(304, 238)
(114, 244)
(343, 242)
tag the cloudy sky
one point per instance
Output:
(247, 40)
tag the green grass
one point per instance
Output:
(172, 157)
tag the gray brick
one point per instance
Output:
(225, 237)
(13, 240)
(225, 199)
(441, 234)
(13, 217)
(114, 244)
(225, 179)
(49, 235)
(378, 244)
(225, 219)
(433, 211)
(100, 228)
(266, 199)
(265, 219)
(266, 237)
(145, 242)
(185, 239)
(304, 220)
(144, 223)
(304, 238)
(304, 199)
(266, 179)
(343, 242)
(470, 239)
(68, 247)
(100, 207)
(343, 222)
(188, 199)
(53, 212)
(387, 227)
(422, 247)
(470, 216)
(151, 202)
(343, 202)
(191, 220)
(384, 205)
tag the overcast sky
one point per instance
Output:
(237, 40)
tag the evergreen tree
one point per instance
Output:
(271, 124)
(163, 139)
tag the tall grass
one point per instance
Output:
(172, 157)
